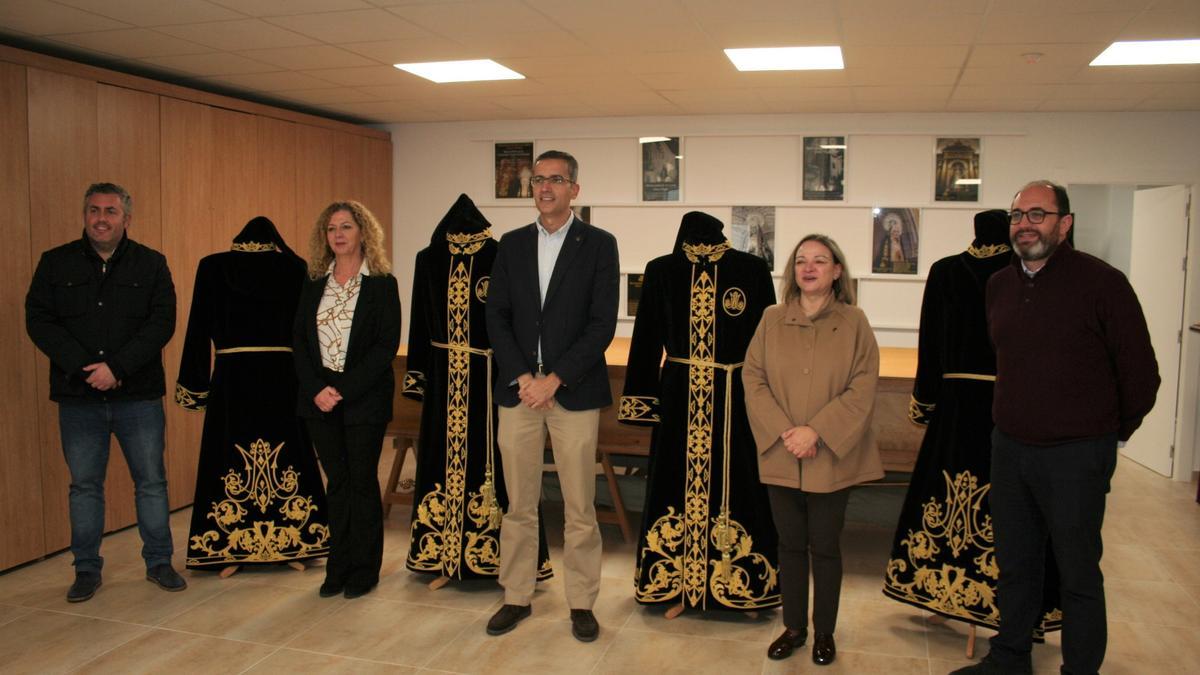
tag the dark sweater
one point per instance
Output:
(1073, 354)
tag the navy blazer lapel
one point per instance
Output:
(570, 247)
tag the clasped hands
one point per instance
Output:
(100, 376)
(327, 398)
(801, 441)
(537, 391)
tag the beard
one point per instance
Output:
(1036, 250)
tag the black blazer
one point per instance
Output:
(576, 323)
(367, 383)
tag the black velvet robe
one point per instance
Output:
(707, 537)
(460, 495)
(943, 558)
(259, 496)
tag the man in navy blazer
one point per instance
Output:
(551, 313)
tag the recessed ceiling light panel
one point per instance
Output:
(461, 71)
(787, 58)
(1149, 53)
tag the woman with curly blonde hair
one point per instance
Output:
(346, 333)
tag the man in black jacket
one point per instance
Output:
(102, 308)
(551, 313)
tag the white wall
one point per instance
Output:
(755, 160)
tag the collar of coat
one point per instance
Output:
(794, 314)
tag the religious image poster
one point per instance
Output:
(753, 231)
(583, 213)
(514, 167)
(633, 293)
(956, 171)
(895, 241)
(825, 168)
(660, 169)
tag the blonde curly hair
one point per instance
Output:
(320, 255)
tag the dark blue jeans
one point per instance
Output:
(1050, 496)
(86, 429)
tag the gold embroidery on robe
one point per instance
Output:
(918, 413)
(191, 400)
(481, 288)
(676, 546)
(414, 383)
(734, 301)
(638, 408)
(263, 538)
(988, 250)
(467, 244)
(254, 246)
(710, 252)
(956, 524)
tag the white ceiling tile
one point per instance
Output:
(905, 94)
(234, 35)
(646, 38)
(200, 65)
(1016, 91)
(1019, 74)
(577, 15)
(290, 7)
(42, 17)
(1168, 104)
(155, 12)
(993, 105)
(414, 50)
(906, 56)
(886, 76)
(1052, 55)
(1015, 28)
(308, 58)
(366, 76)
(716, 12)
(270, 82)
(814, 31)
(1087, 105)
(474, 18)
(359, 25)
(1134, 74)
(939, 29)
(832, 95)
(132, 43)
(555, 45)
(1163, 25)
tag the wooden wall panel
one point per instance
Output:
(235, 175)
(62, 163)
(276, 179)
(314, 174)
(378, 185)
(127, 142)
(349, 168)
(21, 537)
(187, 166)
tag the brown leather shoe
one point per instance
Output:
(506, 618)
(783, 645)
(824, 651)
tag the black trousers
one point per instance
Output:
(349, 455)
(1050, 494)
(809, 524)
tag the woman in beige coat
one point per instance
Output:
(810, 376)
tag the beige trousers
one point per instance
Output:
(522, 440)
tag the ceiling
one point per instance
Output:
(584, 58)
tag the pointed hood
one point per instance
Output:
(462, 218)
(258, 234)
(698, 228)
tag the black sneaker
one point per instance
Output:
(166, 577)
(84, 587)
(506, 618)
(584, 626)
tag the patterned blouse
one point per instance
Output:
(335, 315)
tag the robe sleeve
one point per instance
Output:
(640, 397)
(418, 362)
(195, 365)
(929, 349)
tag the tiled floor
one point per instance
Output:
(272, 620)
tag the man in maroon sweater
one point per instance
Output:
(1075, 375)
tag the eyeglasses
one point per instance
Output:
(553, 180)
(1035, 216)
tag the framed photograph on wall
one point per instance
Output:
(633, 293)
(956, 170)
(583, 213)
(514, 166)
(753, 231)
(660, 168)
(895, 240)
(825, 168)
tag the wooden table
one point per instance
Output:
(899, 439)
